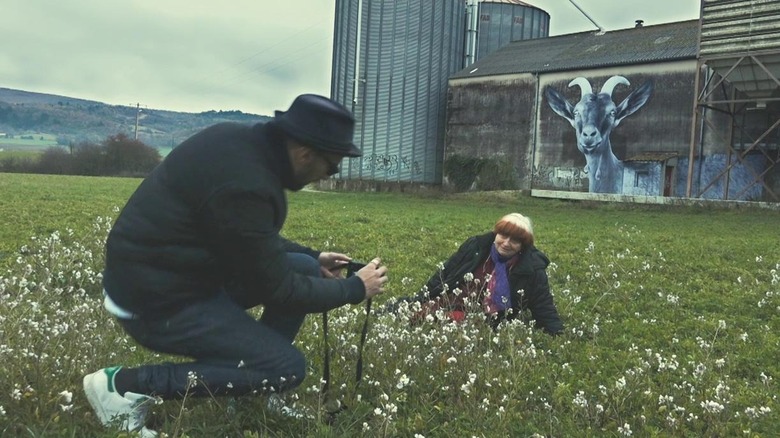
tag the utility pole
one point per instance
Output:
(137, 117)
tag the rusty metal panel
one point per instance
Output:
(736, 26)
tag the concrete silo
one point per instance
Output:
(391, 63)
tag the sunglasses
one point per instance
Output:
(333, 166)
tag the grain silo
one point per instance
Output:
(492, 24)
(391, 63)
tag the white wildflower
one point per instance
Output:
(580, 400)
(67, 397)
(712, 407)
(402, 382)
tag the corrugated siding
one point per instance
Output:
(501, 23)
(345, 30)
(407, 50)
(736, 26)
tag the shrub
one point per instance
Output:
(497, 174)
(55, 161)
(128, 157)
(88, 159)
(461, 171)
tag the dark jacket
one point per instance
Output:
(528, 275)
(207, 219)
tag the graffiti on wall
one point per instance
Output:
(710, 182)
(560, 177)
(390, 164)
(593, 118)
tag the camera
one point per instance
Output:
(353, 266)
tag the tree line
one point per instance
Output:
(117, 155)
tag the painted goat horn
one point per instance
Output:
(612, 82)
(584, 85)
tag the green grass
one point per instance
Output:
(20, 154)
(35, 205)
(37, 142)
(672, 321)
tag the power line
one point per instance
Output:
(273, 65)
(601, 29)
(222, 78)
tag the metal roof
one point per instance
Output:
(638, 45)
(513, 2)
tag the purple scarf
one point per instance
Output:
(500, 293)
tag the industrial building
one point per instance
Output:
(471, 95)
(391, 63)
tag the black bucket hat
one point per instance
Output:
(320, 123)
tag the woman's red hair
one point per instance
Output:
(516, 226)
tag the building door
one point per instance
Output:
(668, 173)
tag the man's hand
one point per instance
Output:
(374, 278)
(331, 264)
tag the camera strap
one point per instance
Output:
(336, 406)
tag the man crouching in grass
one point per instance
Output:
(198, 243)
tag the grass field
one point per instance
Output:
(35, 142)
(672, 321)
(20, 154)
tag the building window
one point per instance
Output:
(639, 176)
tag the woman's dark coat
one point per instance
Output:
(527, 280)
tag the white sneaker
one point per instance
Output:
(111, 408)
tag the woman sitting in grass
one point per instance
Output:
(501, 271)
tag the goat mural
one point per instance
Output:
(593, 118)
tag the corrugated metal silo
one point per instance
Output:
(391, 61)
(499, 22)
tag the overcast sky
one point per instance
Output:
(189, 55)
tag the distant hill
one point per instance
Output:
(72, 120)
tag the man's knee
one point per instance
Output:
(297, 369)
(289, 368)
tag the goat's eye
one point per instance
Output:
(613, 113)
